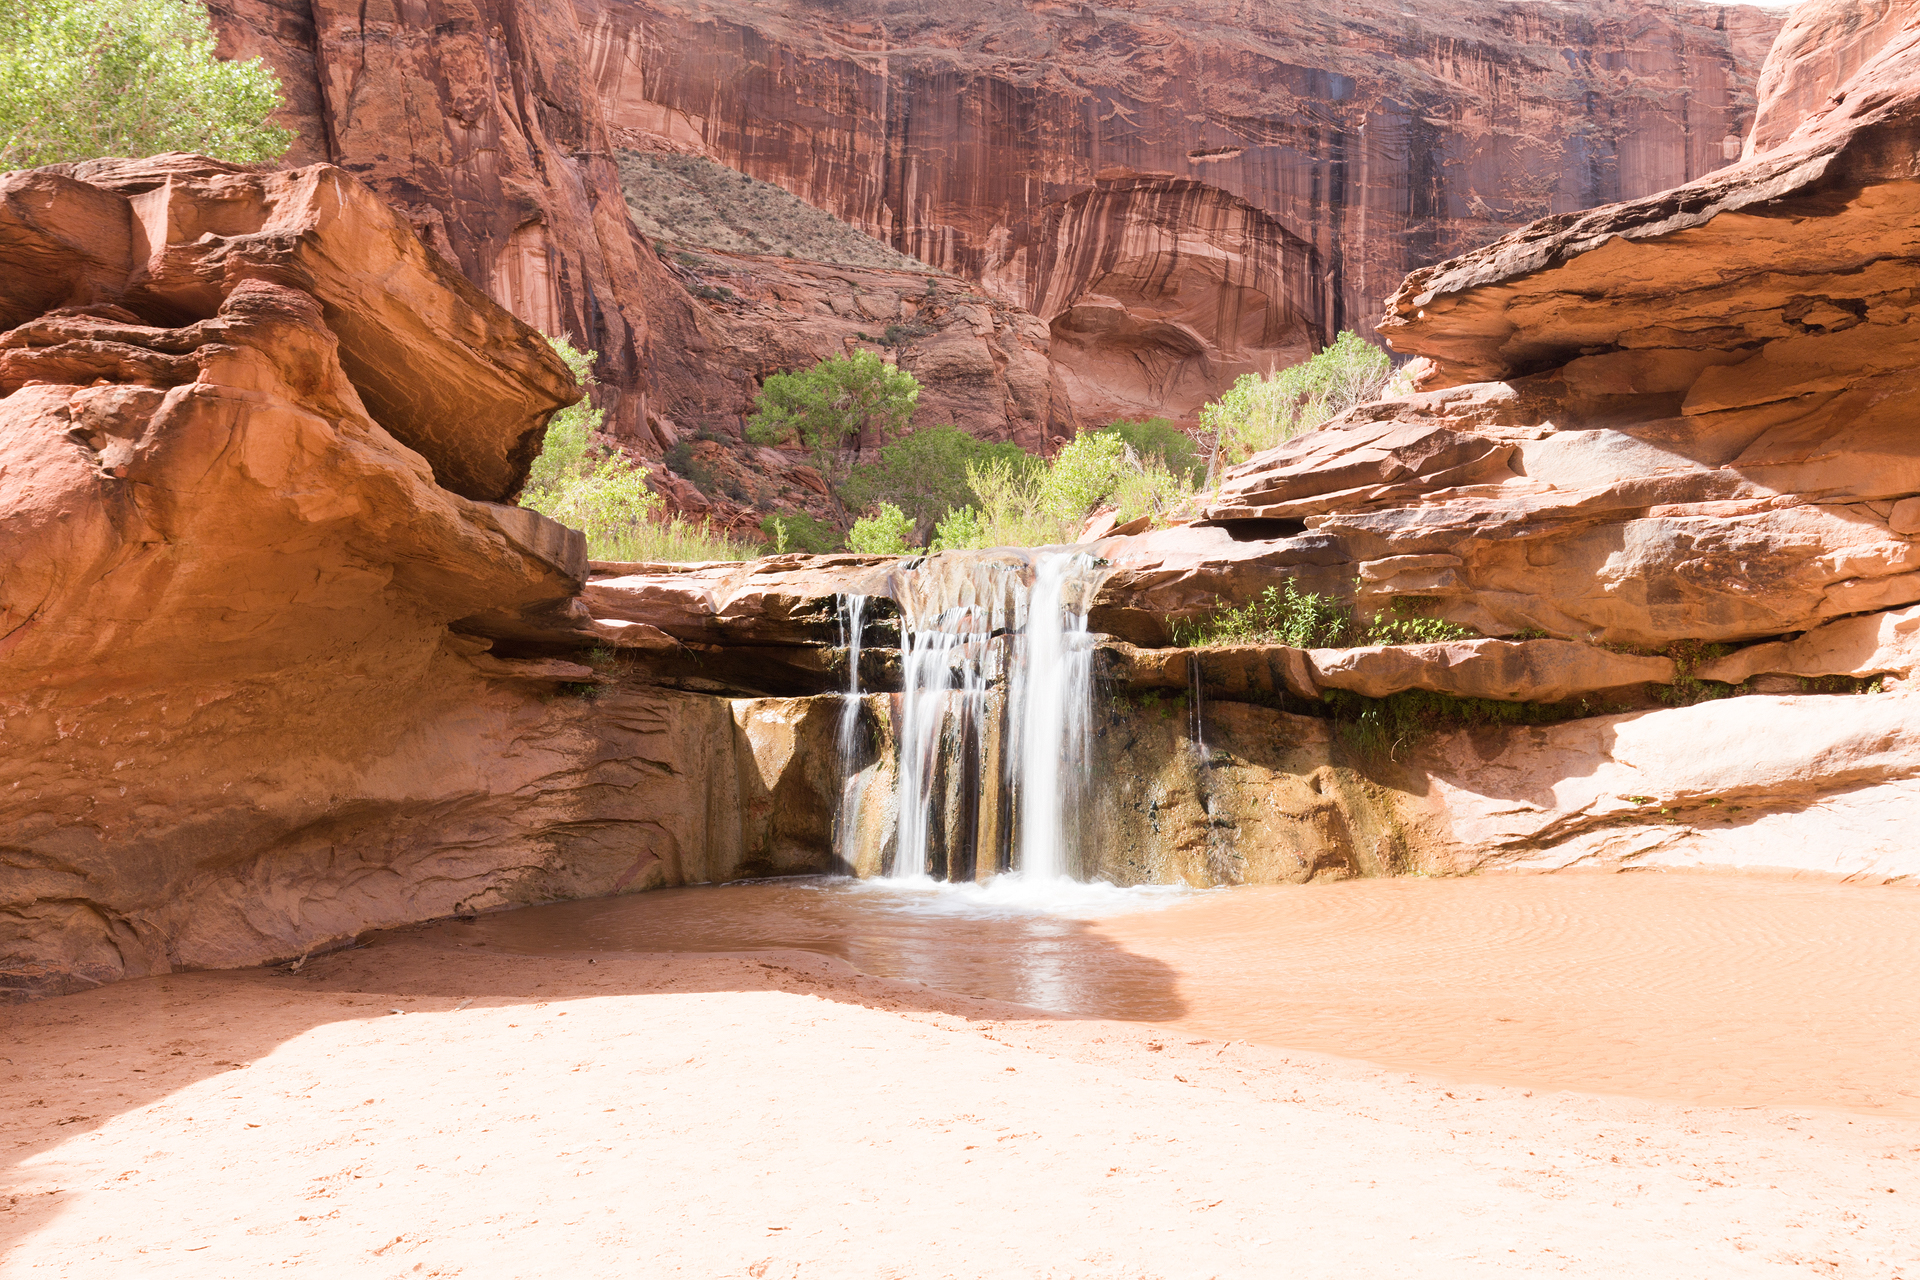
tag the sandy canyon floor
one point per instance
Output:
(1671, 1076)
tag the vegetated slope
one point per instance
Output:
(689, 199)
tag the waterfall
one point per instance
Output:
(995, 712)
(1052, 695)
(853, 783)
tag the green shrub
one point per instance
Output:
(676, 540)
(1307, 620)
(1279, 615)
(1843, 684)
(1158, 439)
(959, 530)
(86, 78)
(925, 474)
(580, 479)
(1686, 690)
(1405, 622)
(1030, 503)
(836, 400)
(902, 335)
(884, 533)
(585, 481)
(1013, 510)
(797, 531)
(1259, 412)
(1382, 728)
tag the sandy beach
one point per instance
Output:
(416, 1107)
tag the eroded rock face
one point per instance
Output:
(1821, 46)
(1824, 784)
(264, 677)
(1680, 418)
(476, 123)
(167, 242)
(1182, 193)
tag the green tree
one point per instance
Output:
(86, 78)
(838, 400)
(1259, 412)
(925, 474)
(884, 533)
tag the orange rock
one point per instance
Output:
(266, 679)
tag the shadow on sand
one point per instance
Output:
(71, 1064)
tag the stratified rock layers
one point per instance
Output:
(1184, 192)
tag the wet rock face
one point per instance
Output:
(1182, 193)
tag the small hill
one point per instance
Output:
(687, 199)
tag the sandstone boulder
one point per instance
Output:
(1867, 645)
(775, 600)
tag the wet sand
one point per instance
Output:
(1686, 987)
(779, 1115)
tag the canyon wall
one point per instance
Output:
(475, 121)
(1180, 195)
(1185, 192)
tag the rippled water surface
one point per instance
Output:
(1698, 987)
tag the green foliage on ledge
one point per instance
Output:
(1382, 728)
(1307, 620)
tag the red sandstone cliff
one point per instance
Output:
(473, 119)
(1187, 191)
(1181, 193)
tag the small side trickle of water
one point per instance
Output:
(1223, 861)
(853, 781)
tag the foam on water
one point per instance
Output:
(1013, 894)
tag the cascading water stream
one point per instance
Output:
(1052, 697)
(853, 784)
(995, 716)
